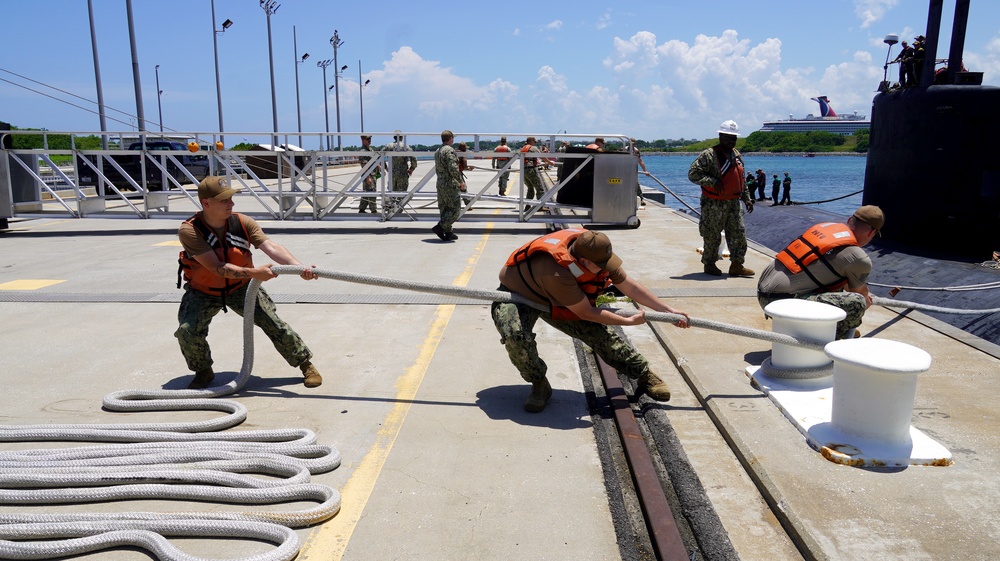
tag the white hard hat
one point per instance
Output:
(729, 127)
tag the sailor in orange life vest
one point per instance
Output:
(567, 271)
(826, 264)
(719, 171)
(217, 264)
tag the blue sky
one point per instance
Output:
(663, 69)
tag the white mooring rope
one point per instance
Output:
(165, 461)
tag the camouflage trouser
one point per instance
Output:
(851, 302)
(369, 185)
(718, 216)
(502, 182)
(516, 322)
(400, 184)
(196, 313)
(533, 183)
(449, 201)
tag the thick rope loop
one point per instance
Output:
(193, 461)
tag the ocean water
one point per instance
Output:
(813, 179)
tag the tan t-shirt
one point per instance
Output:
(196, 245)
(550, 279)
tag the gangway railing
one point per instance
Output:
(288, 182)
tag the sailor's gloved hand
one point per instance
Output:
(749, 207)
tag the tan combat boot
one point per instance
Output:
(738, 270)
(541, 391)
(651, 385)
(312, 377)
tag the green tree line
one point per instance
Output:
(810, 141)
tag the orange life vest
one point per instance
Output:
(502, 148)
(557, 245)
(733, 180)
(234, 248)
(529, 162)
(815, 244)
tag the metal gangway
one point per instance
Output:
(282, 181)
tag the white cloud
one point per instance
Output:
(871, 11)
(554, 25)
(987, 62)
(412, 93)
(604, 21)
(652, 90)
(638, 53)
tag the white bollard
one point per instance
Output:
(802, 319)
(874, 385)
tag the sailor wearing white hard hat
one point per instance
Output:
(719, 170)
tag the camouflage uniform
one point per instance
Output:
(516, 322)
(532, 179)
(499, 163)
(851, 302)
(449, 182)
(197, 310)
(369, 183)
(401, 168)
(719, 215)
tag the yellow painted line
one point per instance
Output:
(330, 540)
(171, 243)
(28, 284)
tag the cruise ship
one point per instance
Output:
(828, 121)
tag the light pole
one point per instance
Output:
(140, 113)
(159, 93)
(326, 110)
(298, 61)
(218, 84)
(361, 94)
(97, 75)
(270, 7)
(336, 42)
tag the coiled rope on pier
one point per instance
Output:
(165, 461)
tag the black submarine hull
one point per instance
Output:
(932, 167)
